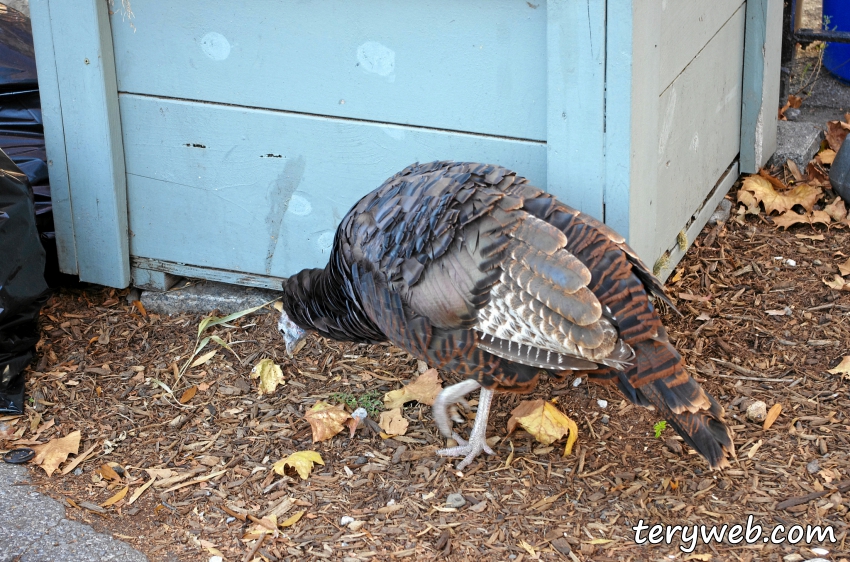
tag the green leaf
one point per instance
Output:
(659, 427)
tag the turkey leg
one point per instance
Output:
(478, 438)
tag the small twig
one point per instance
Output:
(250, 555)
(737, 368)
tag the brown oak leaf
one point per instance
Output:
(325, 420)
(53, 453)
(424, 389)
(393, 422)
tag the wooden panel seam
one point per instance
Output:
(334, 117)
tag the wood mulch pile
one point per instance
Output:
(754, 328)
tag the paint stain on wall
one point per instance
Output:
(215, 46)
(377, 58)
(280, 198)
(299, 206)
(326, 241)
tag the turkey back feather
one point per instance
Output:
(472, 269)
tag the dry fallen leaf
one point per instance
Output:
(774, 412)
(116, 498)
(188, 394)
(836, 209)
(544, 421)
(270, 375)
(53, 453)
(108, 473)
(301, 461)
(757, 189)
(838, 283)
(844, 268)
(424, 389)
(325, 420)
(393, 422)
(835, 134)
(204, 358)
(790, 218)
(817, 175)
(842, 368)
(292, 520)
(826, 156)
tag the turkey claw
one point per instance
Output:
(471, 450)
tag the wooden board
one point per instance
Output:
(762, 46)
(477, 66)
(686, 28)
(262, 192)
(699, 131)
(91, 138)
(54, 135)
(576, 102)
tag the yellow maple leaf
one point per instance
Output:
(545, 422)
(301, 461)
(393, 422)
(757, 189)
(270, 376)
(842, 368)
(325, 420)
(424, 389)
(53, 453)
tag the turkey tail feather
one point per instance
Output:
(658, 377)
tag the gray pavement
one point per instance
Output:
(33, 528)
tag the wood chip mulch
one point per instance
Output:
(755, 328)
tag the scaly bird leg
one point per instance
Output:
(478, 438)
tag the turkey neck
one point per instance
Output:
(324, 300)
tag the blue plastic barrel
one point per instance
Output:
(836, 57)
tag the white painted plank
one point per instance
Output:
(203, 190)
(686, 27)
(54, 135)
(576, 102)
(477, 66)
(698, 221)
(699, 130)
(91, 126)
(632, 123)
(762, 55)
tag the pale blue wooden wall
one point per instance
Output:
(227, 141)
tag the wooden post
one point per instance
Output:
(82, 92)
(762, 51)
(575, 46)
(54, 135)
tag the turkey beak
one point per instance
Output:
(293, 336)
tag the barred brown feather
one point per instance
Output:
(472, 269)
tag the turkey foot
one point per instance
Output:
(478, 438)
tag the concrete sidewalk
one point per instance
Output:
(33, 528)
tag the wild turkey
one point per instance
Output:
(472, 269)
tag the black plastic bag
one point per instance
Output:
(23, 290)
(21, 126)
